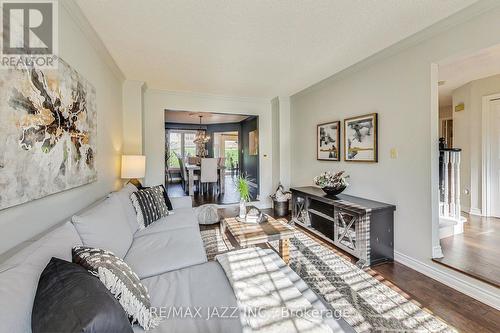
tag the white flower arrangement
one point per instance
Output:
(327, 179)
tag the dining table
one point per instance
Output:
(191, 168)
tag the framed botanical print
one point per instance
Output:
(328, 141)
(360, 138)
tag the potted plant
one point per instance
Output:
(243, 188)
(332, 184)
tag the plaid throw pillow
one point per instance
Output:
(149, 205)
(121, 281)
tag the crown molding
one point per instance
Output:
(72, 8)
(435, 29)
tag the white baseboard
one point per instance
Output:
(437, 252)
(485, 296)
(475, 211)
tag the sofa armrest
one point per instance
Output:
(181, 202)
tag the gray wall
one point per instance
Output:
(400, 84)
(250, 163)
(22, 222)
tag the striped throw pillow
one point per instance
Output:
(149, 205)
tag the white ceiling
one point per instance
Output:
(185, 117)
(252, 48)
(457, 72)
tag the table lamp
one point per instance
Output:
(133, 167)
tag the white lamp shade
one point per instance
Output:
(133, 166)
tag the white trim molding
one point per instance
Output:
(477, 292)
(437, 252)
(475, 211)
(451, 21)
(486, 160)
(81, 21)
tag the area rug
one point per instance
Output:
(364, 302)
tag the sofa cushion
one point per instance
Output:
(70, 299)
(178, 219)
(149, 205)
(105, 227)
(181, 202)
(164, 251)
(123, 196)
(19, 275)
(187, 288)
(121, 280)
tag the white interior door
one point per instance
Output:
(494, 181)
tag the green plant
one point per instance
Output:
(243, 187)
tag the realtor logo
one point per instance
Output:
(29, 33)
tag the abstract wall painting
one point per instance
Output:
(360, 138)
(48, 132)
(328, 141)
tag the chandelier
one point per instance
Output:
(201, 136)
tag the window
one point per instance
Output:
(225, 145)
(179, 143)
(189, 145)
(174, 149)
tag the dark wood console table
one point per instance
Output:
(361, 227)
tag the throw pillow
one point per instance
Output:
(149, 205)
(123, 283)
(105, 226)
(70, 299)
(167, 199)
(165, 196)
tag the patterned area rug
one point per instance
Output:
(366, 304)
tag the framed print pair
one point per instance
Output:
(360, 139)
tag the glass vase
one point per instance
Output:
(243, 209)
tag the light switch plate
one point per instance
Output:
(394, 153)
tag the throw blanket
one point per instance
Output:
(267, 299)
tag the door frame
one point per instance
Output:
(486, 158)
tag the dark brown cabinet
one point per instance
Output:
(363, 228)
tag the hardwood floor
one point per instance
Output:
(476, 252)
(230, 196)
(461, 311)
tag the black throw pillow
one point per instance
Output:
(70, 299)
(165, 196)
(167, 199)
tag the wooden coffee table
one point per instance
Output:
(248, 234)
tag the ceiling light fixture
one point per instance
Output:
(201, 136)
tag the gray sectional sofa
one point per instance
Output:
(168, 256)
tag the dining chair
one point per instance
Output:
(221, 163)
(185, 175)
(209, 168)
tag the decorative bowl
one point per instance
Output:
(330, 190)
